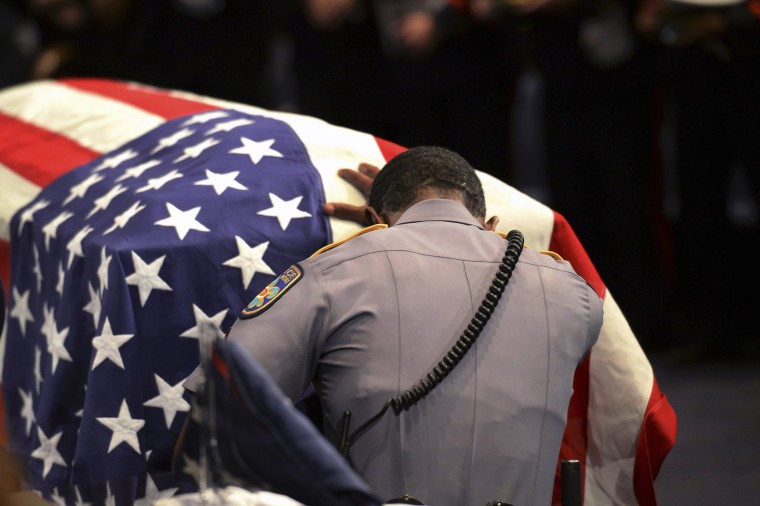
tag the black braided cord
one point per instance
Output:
(413, 395)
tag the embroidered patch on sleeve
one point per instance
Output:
(272, 292)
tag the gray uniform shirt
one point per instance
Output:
(370, 317)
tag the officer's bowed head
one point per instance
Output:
(423, 173)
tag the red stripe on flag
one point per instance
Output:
(39, 155)
(155, 101)
(657, 437)
(565, 243)
(389, 149)
(574, 442)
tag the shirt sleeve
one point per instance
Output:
(596, 314)
(283, 338)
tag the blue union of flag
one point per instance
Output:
(136, 256)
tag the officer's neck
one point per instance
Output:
(391, 217)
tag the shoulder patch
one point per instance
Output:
(363, 231)
(274, 290)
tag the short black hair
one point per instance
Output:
(398, 184)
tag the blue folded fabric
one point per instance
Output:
(263, 441)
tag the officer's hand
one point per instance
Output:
(360, 179)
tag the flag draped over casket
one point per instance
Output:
(135, 221)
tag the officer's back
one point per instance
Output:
(369, 318)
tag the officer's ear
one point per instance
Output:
(373, 217)
(491, 224)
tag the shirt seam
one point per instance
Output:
(468, 485)
(546, 391)
(397, 419)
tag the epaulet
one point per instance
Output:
(356, 234)
(555, 256)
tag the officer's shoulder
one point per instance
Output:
(551, 254)
(361, 232)
(544, 258)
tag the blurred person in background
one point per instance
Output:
(711, 66)
(414, 72)
(19, 43)
(600, 109)
(338, 65)
(220, 48)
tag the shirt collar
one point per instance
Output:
(438, 210)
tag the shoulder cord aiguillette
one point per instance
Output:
(402, 402)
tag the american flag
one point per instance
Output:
(137, 220)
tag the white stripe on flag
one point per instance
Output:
(95, 122)
(615, 414)
(517, 210)
(15, 191)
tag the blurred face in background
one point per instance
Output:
(74, 15)
(64, 15)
